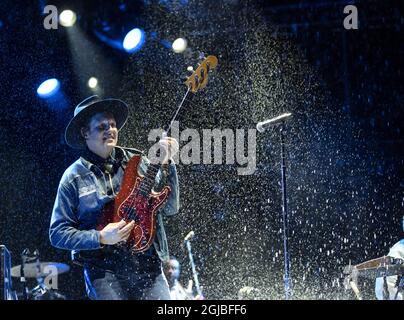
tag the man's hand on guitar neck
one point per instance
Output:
(116, 232)
(170, 146)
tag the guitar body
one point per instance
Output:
(133, 204)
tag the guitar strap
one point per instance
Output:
(109, 165)
(399, 286)
(386, 294)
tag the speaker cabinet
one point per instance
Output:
(6, 286)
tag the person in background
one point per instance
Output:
(392, 287)
(172, 271)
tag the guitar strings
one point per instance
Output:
(144, 187)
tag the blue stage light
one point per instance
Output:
(48, 88)
(133, 40)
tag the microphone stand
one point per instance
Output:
(191, 260)
(24, 257)
(287, 280)
(285, 229)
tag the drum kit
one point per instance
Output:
(43, 276)
(40, 272)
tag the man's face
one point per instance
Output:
(172, 270)
(101, 135)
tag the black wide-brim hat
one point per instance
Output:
(86, 109)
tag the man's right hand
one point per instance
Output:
(116, 232)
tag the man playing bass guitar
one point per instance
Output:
(110, 218)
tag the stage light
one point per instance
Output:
(67, 18)
(48, 88)
(134, 40)
(92, 82)
(179, 45)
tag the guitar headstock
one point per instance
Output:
(199, 78)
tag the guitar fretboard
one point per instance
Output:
(149, 179)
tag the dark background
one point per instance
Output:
(344, 142)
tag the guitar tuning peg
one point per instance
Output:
(190, 69)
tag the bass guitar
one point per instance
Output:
(137, 201)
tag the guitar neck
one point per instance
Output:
(149, 178)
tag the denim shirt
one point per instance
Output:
(83, 191)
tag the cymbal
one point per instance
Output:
(36, 270)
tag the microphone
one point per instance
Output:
(189, 236)
(262, 126)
